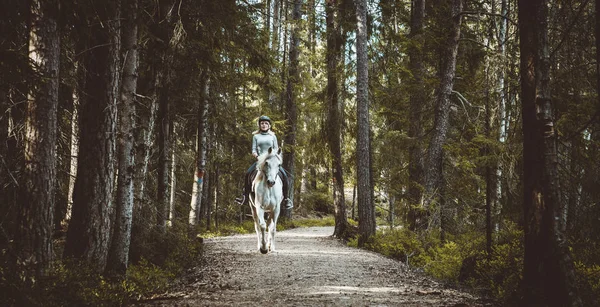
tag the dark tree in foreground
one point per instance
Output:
(366, 209)
(548, 274)
(38, 195)
(89, 230)
(291, 93)
(201, 150)
(417, 102)
(334, 41)
(433, 171)
(121, 239)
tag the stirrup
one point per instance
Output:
(241, 200)
(288, 204)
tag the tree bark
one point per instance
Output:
(74, 154)
(173, 193)
(417, 102)
(37, 206)
(164, 156)
(334, 41)
(217, 185)
(291, 114)
(201, 150)
(164, 32)
(121, 239)
(89, 230)
(548, 274)
(442, 113)
(366, 209)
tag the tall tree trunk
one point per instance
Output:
(164, 156)
(334, 41)
(5, 171)
(417, 101)
(173, 193)
(89, 230)
(502, 93)
(201, 150)
(353, 202)
(207, 200)
(548, 274)
(217, 184)
(74, 153)
(37, 205)
(490, 133)
(276, 29)
(284, 54)
(366, 208)
(164, 33)
(442, 112)
(291, 114)
(145, 140)
(276, 26)
(121, 239)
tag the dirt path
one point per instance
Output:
(309, 269)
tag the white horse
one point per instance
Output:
(268, 194)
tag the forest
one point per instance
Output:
(459, 136)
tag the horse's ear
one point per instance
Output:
(270, 150)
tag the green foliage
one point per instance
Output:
(72, 283)
(500, 273)
(461, 259)
(307, 222)
(444, 262)
(173, 250)
(352, 222)
(228, 229)
(588, 280)
(144, 279)
(75, 284)
(319, 201)
(401, 244)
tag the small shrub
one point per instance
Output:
(588, 280)
(313, 222)
(146, 278)
(75, 284)
(319, 201)
(399, 244)
(229, 229)
(444, 262)
(500, 273)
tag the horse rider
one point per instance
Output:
(262, 140)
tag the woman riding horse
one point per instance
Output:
(262, 140)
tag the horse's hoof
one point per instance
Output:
(263, 251)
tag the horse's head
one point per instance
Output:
(269, 164)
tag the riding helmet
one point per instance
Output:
(264, 118)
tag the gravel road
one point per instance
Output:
(309, 269)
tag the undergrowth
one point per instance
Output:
(71, 283)
(458, 259)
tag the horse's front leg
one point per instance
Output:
(274, 216)
(262, 245)
(256, 224)
(261, 228)
(272, 229)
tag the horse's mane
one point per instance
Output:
(263, 157)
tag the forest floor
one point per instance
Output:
(309, 268)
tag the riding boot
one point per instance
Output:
(287, 202)
(242, 200)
